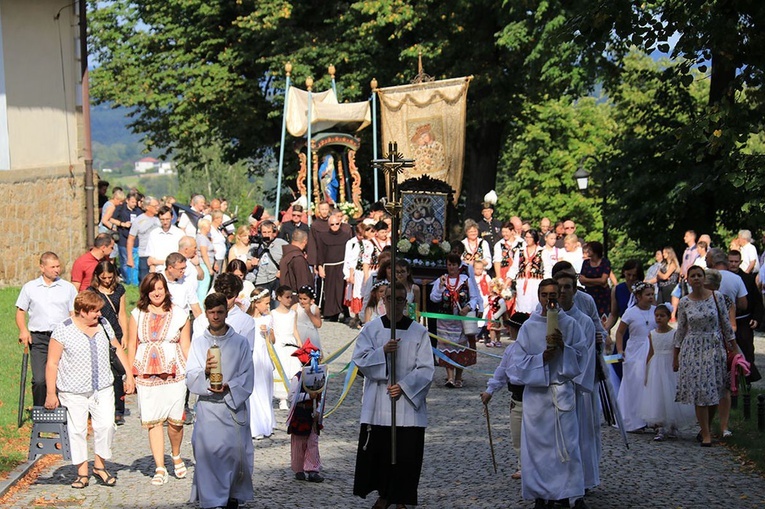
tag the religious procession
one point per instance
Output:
(388, 324)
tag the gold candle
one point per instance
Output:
(552, 317)
(216, 373)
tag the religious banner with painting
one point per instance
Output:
(427, 120)
(423, 228)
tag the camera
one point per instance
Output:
(228, 223)
(258, 245)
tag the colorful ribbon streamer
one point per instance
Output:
(350, 377)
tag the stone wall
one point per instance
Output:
(42, 210)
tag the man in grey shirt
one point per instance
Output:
(140, 229)
(263, 259)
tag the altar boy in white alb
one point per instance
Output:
(548, 365)
(221, 440)
(396, 484)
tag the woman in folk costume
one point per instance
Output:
(356, 269)
(475, 247)
(452, 292)
(159, 338)
(505, 249)
(528, 271)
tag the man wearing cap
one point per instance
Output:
(296, 223)
(489, 229)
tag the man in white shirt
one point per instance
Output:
(163, 240)
(140, 229)
(188, 220)
(750, 262)
(49, 300)
(182, 289)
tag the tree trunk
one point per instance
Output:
(484, 144)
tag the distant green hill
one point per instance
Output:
(114, 146)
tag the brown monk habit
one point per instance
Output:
(317, 226)
(330, 252)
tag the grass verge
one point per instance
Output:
(747, 442)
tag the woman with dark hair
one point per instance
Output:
(704, 334)
(528, 271)
(159, 337)
(85, 387)
(594, 276)
(452, 292)
(106, 286)
(239, 269)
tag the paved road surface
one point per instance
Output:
(457, 472)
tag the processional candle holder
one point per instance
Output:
(393, 164)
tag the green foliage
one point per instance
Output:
(213, 177)
(536, 173)
(196, 73)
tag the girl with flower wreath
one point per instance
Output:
(452, 292)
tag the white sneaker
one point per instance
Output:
(283, 405)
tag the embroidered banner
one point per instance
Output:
(427, 121)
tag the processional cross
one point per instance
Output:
(393, 164)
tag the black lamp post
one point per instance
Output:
(582, 177)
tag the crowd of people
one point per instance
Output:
(259, 293)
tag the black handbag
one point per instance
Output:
(117, 368)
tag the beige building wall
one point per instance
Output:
(42, 180)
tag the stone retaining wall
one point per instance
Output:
(43, 209)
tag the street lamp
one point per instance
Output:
(582, 177)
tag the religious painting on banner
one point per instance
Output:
(424, 217)
(427, 121)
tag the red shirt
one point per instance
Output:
(82, 270)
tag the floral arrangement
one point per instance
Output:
(428, 254)
(347, 208)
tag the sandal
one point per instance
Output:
(458, 384)
(79, 483)
(516, 475)
(179, 467)
(104, 478)
(449, 383)
(160, 476)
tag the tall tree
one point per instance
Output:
(704, 148)
(195, 71)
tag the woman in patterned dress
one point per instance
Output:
(452, 292)
(159, 337)
(704, 334)
(79, 377)
(528, 271)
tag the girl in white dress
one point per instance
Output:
(285, 338)
(262, 420)
(639, 320)
(403, 274)
(376, 305)
(308, 316)
(659, 407)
